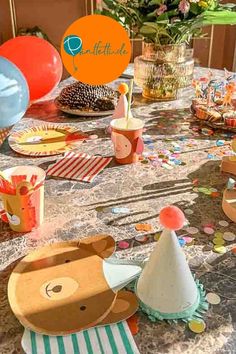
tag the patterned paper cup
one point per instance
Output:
(4, 132)
(127, 139)
(24, 208)
(230, 119)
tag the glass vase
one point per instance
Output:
(162, 70)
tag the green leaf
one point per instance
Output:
(228, 6)
(152, 14)
(147, 30)
(151, 24)
(194, 8)
(155, 2)
(162, 17)
(225, 17)
(173, 12)
(175, 2)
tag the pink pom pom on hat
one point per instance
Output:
(171, 217)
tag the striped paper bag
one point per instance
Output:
(110, 339)
(78, 166)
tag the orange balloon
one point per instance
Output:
(38, 60)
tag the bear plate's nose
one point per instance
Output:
(59, 288)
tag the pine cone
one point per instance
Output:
(88, 98)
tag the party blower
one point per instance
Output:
(22, 194)
(166, 288)
(127, 135)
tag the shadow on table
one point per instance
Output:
(207, 207)
(48, 112)
(167, 188)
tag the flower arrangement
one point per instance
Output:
(168, 21)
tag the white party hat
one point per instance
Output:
(166, 288)
(121, 108)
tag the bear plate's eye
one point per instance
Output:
(82, 308)
(59, 288)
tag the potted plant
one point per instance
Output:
(166, 26)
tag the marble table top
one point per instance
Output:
(75, 210)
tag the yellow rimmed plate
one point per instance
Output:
(46, 140)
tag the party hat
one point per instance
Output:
(122, 105)
(166, 288)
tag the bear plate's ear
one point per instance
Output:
(102, 245)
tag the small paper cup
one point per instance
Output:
(230, 119)
(4, 132)
(25, 208)
(127, 139)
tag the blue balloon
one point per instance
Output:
(72, 44)
(14, 94)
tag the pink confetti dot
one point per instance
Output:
(208, 230)
(187, 239)
(123, 244)
(93, 137)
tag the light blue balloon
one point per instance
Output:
(14, 94)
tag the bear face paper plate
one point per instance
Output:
(67, 287)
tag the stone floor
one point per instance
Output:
(75, 210)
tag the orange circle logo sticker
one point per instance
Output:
(95, 49)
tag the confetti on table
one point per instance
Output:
(208, 230)
(188, 211)
(143, 227)
(229, 236)
(120, 210)
(141, 238)
(218, 241)
(157, 236)
(213, 190)
(218, 234)
(197, 326)
(133, 324)
(213, 298)
(223, 223)
(123, 244)
(204, 190)
(215, 194)
(188, 240)
(99, 209)
(78, 166)
(219, 249)
(220, 142)
(192, 230)
(93, 137)
(182, 242)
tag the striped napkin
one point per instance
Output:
(110, 339)
(78, 166)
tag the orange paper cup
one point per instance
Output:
(127, 139)
(25, 208)
(4, 132)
